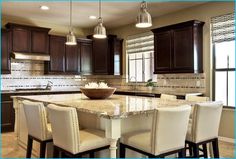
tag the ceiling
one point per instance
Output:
(115, 14)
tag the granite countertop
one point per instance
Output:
(38, 91)
(117, 106)
(118, 90)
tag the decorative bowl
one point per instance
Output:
(98, 93)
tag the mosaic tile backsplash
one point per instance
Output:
(30, 74)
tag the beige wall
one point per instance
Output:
(204, 13)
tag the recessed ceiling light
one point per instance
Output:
(92, 17)
(44, 7)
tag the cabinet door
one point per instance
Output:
(118, 57)
(162, 52)
(86, 58)
(39, 41)
(100, 56)
(72, 59)
(57, 54)
(6, 65)
(20, 40)
(8, 116)
(183, 49)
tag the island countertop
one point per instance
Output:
(117, 106)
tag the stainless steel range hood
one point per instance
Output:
(30, 56)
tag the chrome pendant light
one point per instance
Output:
(70, 38)
(100, 30)
(144, 19)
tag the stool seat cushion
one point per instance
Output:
(92, 139)
(138, 139)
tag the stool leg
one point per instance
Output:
(182, 153)
(55, 152)
(91, 155)
(42, 149)
(29, 147)
(195, 150)
(205, 153)
(122, 150)
(215, 148)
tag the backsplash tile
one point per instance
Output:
(30, 74)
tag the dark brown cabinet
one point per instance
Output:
(72, 59)
(28, 39)
(6, 64)
(8, 114)
(107, 55)
(69, 59)
(115, 50)
(86, 56)
(100, 56)
(178, 48)
(57, 55)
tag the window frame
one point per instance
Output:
(143, 67)
(214, 76)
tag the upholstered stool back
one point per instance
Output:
(196, 98)
(168, 97)
(36, 120)
(65, 127)
(169, 129)
(205, 121)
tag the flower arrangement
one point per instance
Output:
(96, 85)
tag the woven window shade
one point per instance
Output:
(222, 28)
(140, 43)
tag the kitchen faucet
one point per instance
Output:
(49, 85)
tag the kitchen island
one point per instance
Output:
(116, 115)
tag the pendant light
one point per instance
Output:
(144, 19)
(100, 30)
(70, 38)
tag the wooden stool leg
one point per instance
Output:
(122, 151)
(91, 155)
(215, 148)
(42, 149)
(29, 147)
(195, 150)
(182, 153)
(55, 152)
(205, 153)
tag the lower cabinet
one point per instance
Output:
(8, 115)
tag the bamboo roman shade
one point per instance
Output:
(140, 43)
(223, 28)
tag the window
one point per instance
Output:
(140, 58)
(223, 38)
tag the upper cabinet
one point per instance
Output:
(56, 65)
(107, 55)
(178, 48)
(6, 64)
(69, 59)
(86, 56)
(115, 50)
(28, 39)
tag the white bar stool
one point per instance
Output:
(168, 97)
(166, 137)
(69, 139)
(203, 128)
(38, 127)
